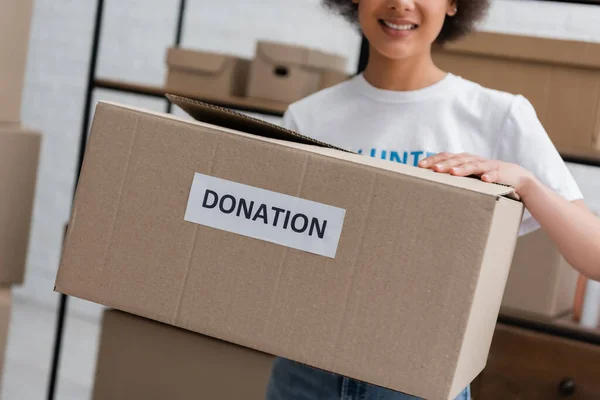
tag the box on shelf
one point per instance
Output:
(5, 316)
(541, 284)
(559, 77)
(15, 22)
(253, 234)
(142, 359)
(289, 73)
(19, 155)
(202, 74)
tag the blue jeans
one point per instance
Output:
(294, 381)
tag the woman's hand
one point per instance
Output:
(489, 170)
(571, 225)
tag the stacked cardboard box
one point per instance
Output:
(289, 73)
(19, 150)
(278, 72)
(201, 73)
(246, 232)
(143, 359)
(15, 22)
(541, 284)
(559, 77)
(5, 314)
(19, 146)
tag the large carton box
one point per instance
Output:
(198, 73)
(19, 154)
(560, 77)
(541, 284)
(5, 317)
(289, 73)
(259, 236)
(15, 21)
(140, 359)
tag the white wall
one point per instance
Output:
(136, 33)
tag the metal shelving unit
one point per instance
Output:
(255, 106)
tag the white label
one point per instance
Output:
(262, 214)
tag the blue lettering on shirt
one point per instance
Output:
(403, 157)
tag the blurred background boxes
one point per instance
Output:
(198, 73)
(541, 284)
(278, 72)
(15, 21)
(19, 153)
(5, 316)
(288, 73)
(140, 359)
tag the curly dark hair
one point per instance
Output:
(469, 13)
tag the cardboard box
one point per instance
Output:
(15, 21)
(5, 317)
(289, 73)
(560, 77)
(19, 155)
(541, 284)
(383, 272)
(197, 73)
(140, 359)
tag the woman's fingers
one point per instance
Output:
(457, 160)
(476, 167)
(430, 161)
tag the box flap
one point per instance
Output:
(212, 63)
(230, 119)
(282, 53)
(322, 60)
(278, 53)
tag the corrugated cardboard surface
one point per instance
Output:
(203, 73)
(420, 267)
(288, 73)
(561, 78)
(15, 21)
(541, 284)
(140, 359)
(19, 154)
(5, 316)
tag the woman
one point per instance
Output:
(403, 104)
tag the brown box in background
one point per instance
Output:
(15, 21)
(197, 73)
(5, 317)
(19, 155)
(288, 73)
(143, 359)
(541, 284)
(560, 78)
(223, 232)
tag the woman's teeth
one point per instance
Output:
(399, 27)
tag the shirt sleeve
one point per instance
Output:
(289, 122)
(524, 141)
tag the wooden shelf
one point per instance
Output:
(563, 326)
(589, 157)
(237, 103)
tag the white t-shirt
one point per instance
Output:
(454, 115)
